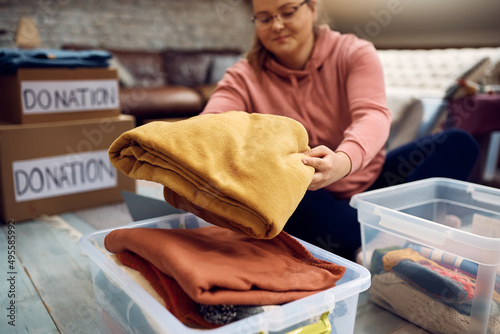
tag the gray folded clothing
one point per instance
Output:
(224, 314)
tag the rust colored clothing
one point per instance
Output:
(214, 265)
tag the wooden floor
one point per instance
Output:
(49, 288)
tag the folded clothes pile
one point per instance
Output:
(243, 173)
(436, 295)
(13, 59)
(194, 268)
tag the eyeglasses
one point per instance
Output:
(285, 14)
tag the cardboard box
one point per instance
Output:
(59, 94)
(50, 168)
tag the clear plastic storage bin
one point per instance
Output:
(433, 250)
(124, 306)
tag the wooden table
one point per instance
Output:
(52, 289)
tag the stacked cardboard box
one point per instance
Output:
(56, 127)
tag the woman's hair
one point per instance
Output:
(258, 54)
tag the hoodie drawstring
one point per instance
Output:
(318, 84)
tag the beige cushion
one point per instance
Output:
(407, 112)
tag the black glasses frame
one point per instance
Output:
(272, 17)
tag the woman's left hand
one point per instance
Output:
(329, 166)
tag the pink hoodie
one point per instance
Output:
(339, 97)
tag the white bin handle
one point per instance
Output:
(483, 196)
(412, 229)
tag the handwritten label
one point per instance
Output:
(68, 95)
(62, 175)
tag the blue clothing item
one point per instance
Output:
(440, 287)
(13, 59)
(332, 224)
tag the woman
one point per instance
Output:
(332, 84)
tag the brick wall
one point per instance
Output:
(133, 24)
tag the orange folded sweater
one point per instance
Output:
(215, 265)
(176, 300)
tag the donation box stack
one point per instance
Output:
(56, 125)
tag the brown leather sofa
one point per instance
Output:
(168, 84)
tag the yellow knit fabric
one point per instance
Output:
(392, 258)
(237, 170)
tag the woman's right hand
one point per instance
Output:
(329, 166)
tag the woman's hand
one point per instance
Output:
(330, 166)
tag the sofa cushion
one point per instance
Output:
(186, 68)
(146, 67)
(165, 101)
(219, 66)
(197, 67)
(407, 112)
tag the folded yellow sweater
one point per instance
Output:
(237, 170)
